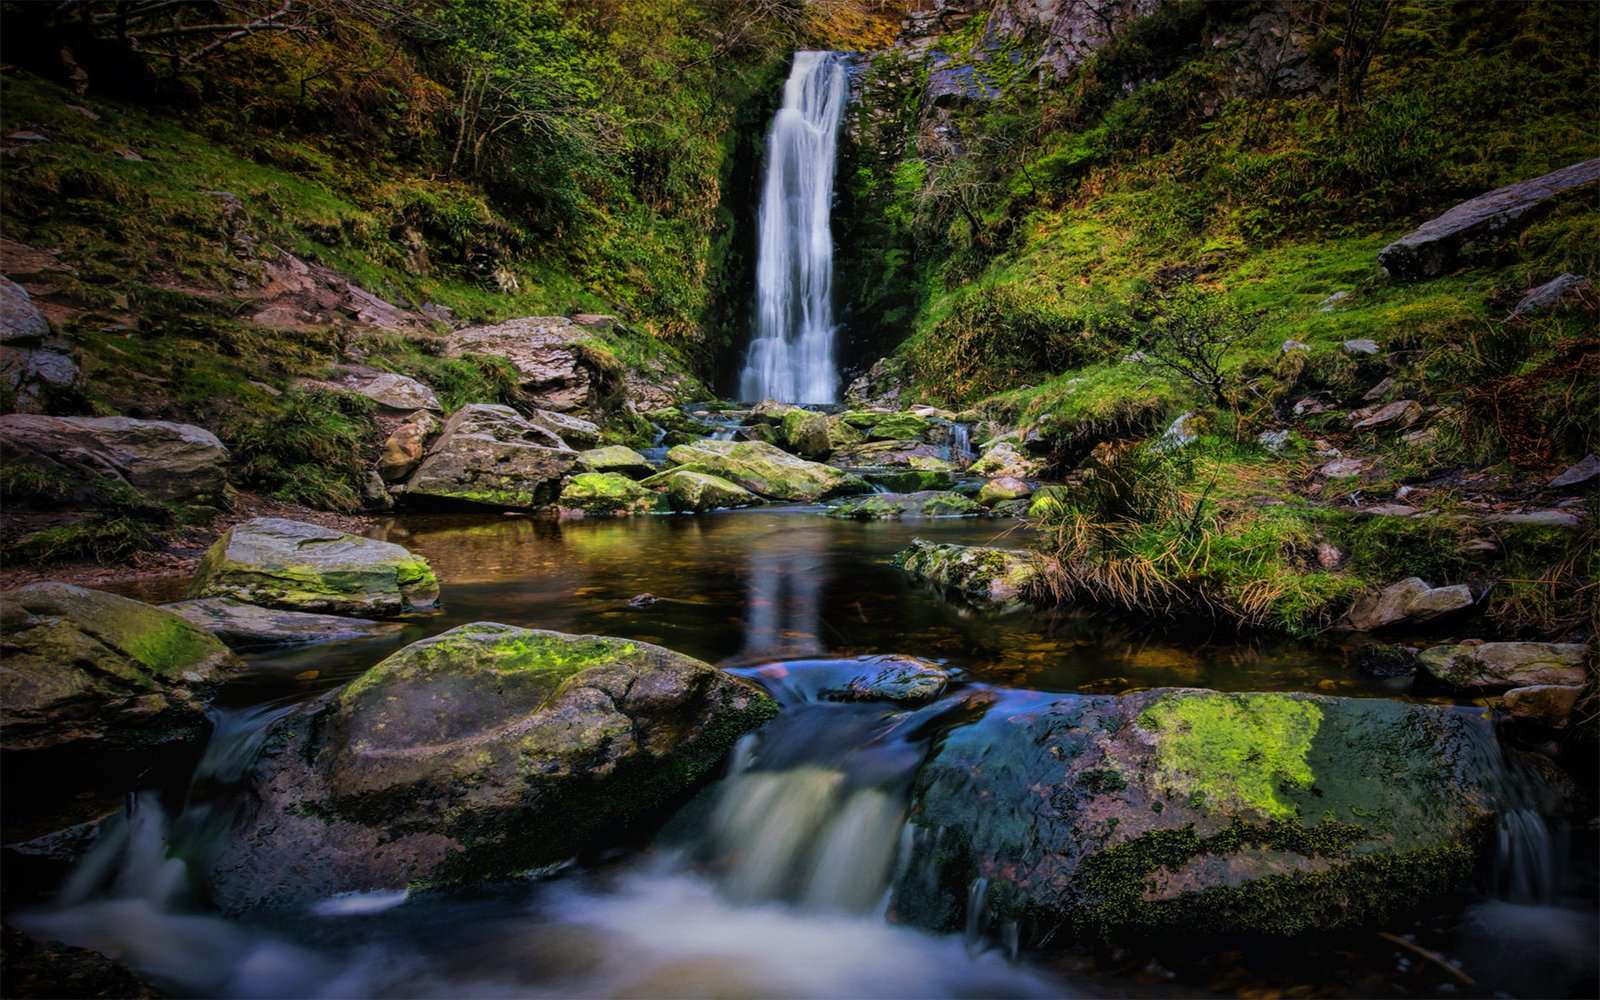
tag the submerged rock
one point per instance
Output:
(490, 456)
(987, 577)
(248, 626)
(928, 503)
(278, 563)
(90, 670)
(619, 459)
(695, 492)
(486, 751)
(1186, 811)
(157, 459)
(891, 677)
(1496, 666)
(766, 470)
(606, 493)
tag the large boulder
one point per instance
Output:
(490, 456)
(1194, 812)
(992, 578)
(248, 626)
(558, 365)
(696, 492)
(766, 470)
(1497, 666)
(486, 751)
(160, 460)
(278, 563)
(1409, 602)
(1440, 244)
(606, 493)
(619, 459)
(89, 670)
(891, 506)
(806, 433)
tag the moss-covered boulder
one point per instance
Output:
(89, 670)
(491, 457)
(619, 459)
(607, 493)
(279, 563)
(1005, 488)
(885, 454)
(884, 506)
(805, 433)
(485, 751)
(766, 470)
(1000, 579)
(910, 480)
(696, 492)
(892, 425)
(1195, 812)
(1006, 459)
(678, 427)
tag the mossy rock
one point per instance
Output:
(606, 493)
(695, 492)
(486, 751)
(279, 563)
(911, 480)
(997, 579)
(90, 670)
(883, 506)
(805, 433)
(1194, 812)
(619, 459)
(767, 471)
(678, 427)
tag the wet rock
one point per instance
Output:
(558, 365)
(486, 751)
(766, 470)
(1584, 472)
(160, 460)
(906, 680)
(1005, 488)
(1379, 659)
(403, 450)
(30, 967)
(1006, 460)
(278, 563)
(987, 577)
(489, 456)
(1410, 601)
(1497, 666)
(694, 492)
(606, 493)
(1548, 294)
(1196, 812)
(247, 626)
(1440, 244)
(1547, 705)
(889, 506)
(574, 432)
(90, 670)
(619, 459)
(1398, 415)
(881, 454)
(806, 434)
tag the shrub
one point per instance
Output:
(311, 450)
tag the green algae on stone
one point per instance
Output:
(988, 577)
(619, 459)
(766, 470)
(692, 492)
(606, 493)
(1233, 752)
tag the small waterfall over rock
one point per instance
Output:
(791, 356)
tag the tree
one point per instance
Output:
(1191, 335)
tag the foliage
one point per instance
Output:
(312, 449)
(1190, 336)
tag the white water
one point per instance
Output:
(791, 354)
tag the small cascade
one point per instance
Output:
(962, 452)
(791, 354)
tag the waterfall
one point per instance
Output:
(791, 353)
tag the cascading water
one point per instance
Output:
(791, 353)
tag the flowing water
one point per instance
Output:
(791, 353)
(773, 881)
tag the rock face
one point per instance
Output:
(694, 492)
(1439, 244)
(1411, 601)
(606, 493)
(1496, 666)
(619, 459)
(160, 460)
(246, 626)
(489, 456)
(987, 577)
(485, 751)
(766, 470)
(557, 365)
(888, 506)
(1171, 810)
(90, 670)
(278, 563)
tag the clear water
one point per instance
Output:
(771, 882)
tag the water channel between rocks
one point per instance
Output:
(771, 882)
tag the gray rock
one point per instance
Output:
(1293, 345)
(1438, 245)
(485, 751)
(90, 670)
(1183, 431)
(1362, 345)
(1539, 518)
(557, 365)
(576, 432)
(999, 579)
(395, 392)
(1274, 441)
(1397, 415)
(1549, 293)
(247, 626)
(1497, 666)
(1377, 392)
(490, 457)
(1331, 303)
(1585, 471)
(619, 459)
(278, 563)
(40, 379)
(20, 320)
(160, 460)
(1410, 601)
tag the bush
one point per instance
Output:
(311, 450)
(997, 337)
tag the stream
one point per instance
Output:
(772, 881)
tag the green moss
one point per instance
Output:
(1234, 752)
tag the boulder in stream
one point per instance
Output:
(619, 459)
(992, 578)
(278, 563)
(248, 626)
(696, 492)
(885, 506)
(766, 470)
(485, 751)
(607, 493)
(1188, 811)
